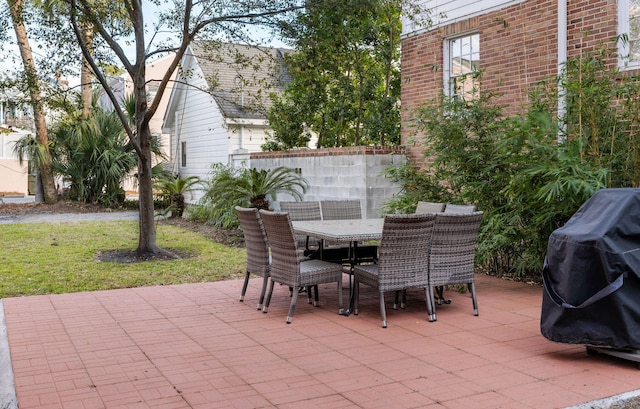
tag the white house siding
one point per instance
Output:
(247, 136)
(225, 123)
(444, 12)
(198, 116)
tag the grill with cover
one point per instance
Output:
(592, 275)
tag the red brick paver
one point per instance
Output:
(196, 346)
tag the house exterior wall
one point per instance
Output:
(518, 48)
(445, 12)
(200, 125)
(14, 177)
(340, 173)
(193, 116)
(245, 137)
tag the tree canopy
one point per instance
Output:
(345, 76)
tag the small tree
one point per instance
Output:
(172, 190)
(42, 161)
(230, 187)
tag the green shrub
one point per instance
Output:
(229, 187)
(528, 173)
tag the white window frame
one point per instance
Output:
(624, 31)
(447, 58)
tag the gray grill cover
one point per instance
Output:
(592, 274)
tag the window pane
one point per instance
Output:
(464, 57)
(634, 35)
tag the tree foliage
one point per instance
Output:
(345, 84)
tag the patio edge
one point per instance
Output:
(8, 399)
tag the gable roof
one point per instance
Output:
(240, 77)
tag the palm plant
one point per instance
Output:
(94, 153)
(173, 189)
(230, 187)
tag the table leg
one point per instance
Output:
(352, 260)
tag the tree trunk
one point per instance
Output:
(177, 205)
(86, 75)
(46, 171)
(147, 237)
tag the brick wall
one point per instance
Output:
(590, 23)
(518, 47)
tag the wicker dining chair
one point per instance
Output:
(288, 269)
(454, 208)
(338, 252)
(301, 211)
(340, 209)
(451, 255)
(255, 240)
(421, 208)
(450, 208)
(429, 207)
(403, 255)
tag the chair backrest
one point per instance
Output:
(285, 266)
(255, 239)
(429, 207)
(453, 208)
(451, 258)
(404, 250)
(300, 211)
(341, 209)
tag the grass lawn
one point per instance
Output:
(61, 258)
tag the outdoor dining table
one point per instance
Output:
(351, 231)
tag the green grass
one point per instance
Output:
(61, 258)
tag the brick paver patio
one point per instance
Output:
(196, 346)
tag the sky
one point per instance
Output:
(10, 57)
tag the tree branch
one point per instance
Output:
(101, 78)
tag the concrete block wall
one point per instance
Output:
(340, 173)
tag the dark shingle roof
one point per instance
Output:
(242, 77)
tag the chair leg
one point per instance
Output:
(265, 281)
(441, 299)
(268, 300)
(403, 303)
(292, 306)
(340, 302)
(396, 299)
(316, 302)
(472, 290)
(383, 312)
(356, 296)
(244, 286)
(431, 309)
(309, 295)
